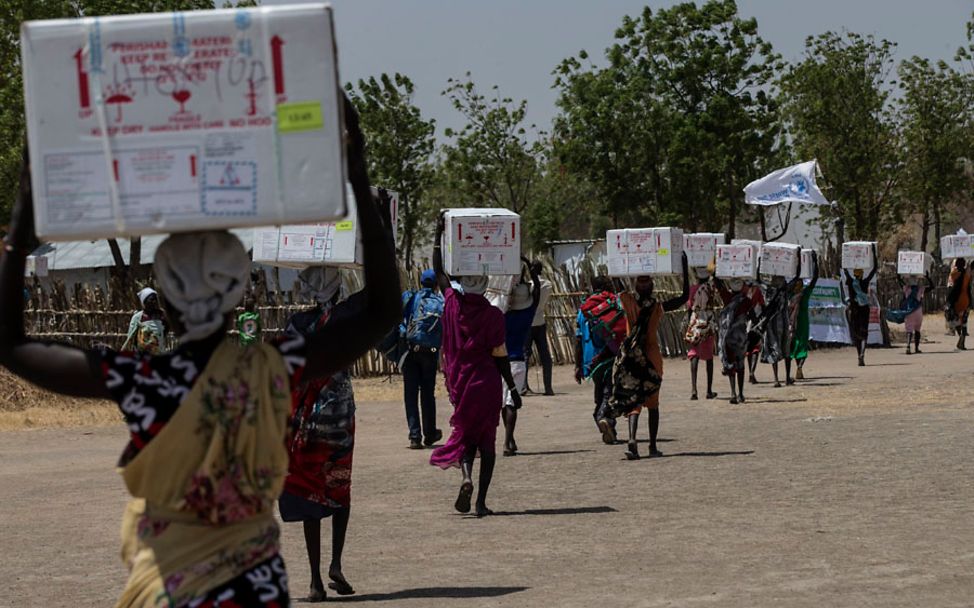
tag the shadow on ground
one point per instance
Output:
(560, 511)
(435, 593)
(553, 452)
(711, 454)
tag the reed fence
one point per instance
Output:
(90, 316)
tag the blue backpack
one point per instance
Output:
(423, 326)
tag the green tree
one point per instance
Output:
(936, 111)
(400, 149)
(680, 118)
(490, 162)
(836, 106)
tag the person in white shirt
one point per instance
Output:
(539, 330)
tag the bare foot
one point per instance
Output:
(463, 499)
(339, 585)
(316, 594)
(483, 511)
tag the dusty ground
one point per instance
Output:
(851, 489)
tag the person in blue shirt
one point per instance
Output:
(420, 365)
(588, 348)
(518, 320)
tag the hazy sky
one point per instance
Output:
(517, 43)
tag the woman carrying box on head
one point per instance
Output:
(206, 458)
(800, 333)
(858, 305)
(638, 369)
(911, 311)
(959, 299)
(776, 344)
(321, 436)
(741, 299)
(474, 364)
(701, 334)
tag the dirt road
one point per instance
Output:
(853, 488)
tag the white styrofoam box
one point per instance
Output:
(701, 247)
(858, 255)
(499, 290)
(737, 261)
(175, 122)
(780, 259)
(36, 266)
(807, 264)
(916, 263)
(957, 246)
(481, 242)
(634, 252)
(324, 243)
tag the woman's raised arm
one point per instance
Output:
(337, 345)
(56, 367)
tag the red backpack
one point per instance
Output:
(606, 319)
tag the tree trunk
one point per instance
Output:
(925, 228)
(764, 224)
(937, 222)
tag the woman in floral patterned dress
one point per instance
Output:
(638, 369)
(206, 457)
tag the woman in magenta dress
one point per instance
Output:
(474, 363)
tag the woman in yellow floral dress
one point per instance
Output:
(206, 459)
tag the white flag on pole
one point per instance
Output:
(791, 184)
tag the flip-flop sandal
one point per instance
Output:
(463, 499)
(340, 586)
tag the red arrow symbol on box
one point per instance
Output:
(115, 169)
(192, 165)
(278, 60)
(83, 99)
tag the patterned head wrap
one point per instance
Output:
(203, 276)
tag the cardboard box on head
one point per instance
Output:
(633, 252)
(858, 255)
(913, 263)
(737, 261)
(780, 259)
(701, 247)
(170, 122)
(325, 243)
(955, 246)
(481, 242)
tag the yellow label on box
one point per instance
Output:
(663, 251)
(299, 116)
(344, 226)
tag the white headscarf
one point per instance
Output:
(145, 293)
(320, 283)
(203, 275)
(477, 285)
